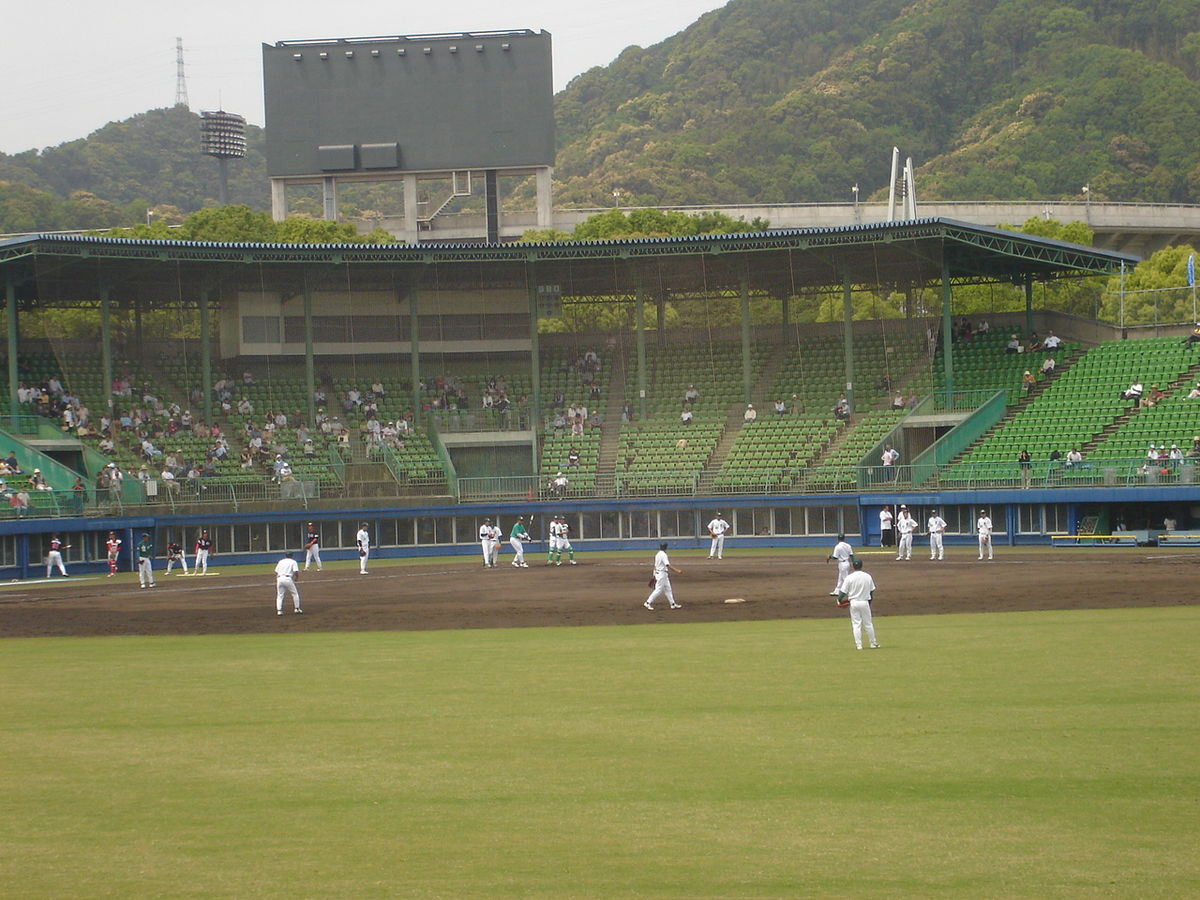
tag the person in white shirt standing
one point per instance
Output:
(857, 593)
(937, 527)
(661, 580)
(287, 570)
(983, 525)
(486, 543)
(887, 534)
(905, 526)
(843, 553)
(363, 540)
(717, 528)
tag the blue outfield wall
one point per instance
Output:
(20, 539)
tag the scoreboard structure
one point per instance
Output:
(461, 109)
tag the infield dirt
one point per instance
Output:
(459, 592)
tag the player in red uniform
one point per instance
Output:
(113, 545)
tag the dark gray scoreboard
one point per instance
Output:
(481, 100)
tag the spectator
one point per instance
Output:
(685, 417)
(559, 484)
(1025, 461)
(1152, 398)
(13, 466)
(1134, 391)
(841, 409)
(780, 407)
(898, 401)
(1048, 365)
(573, 458)
(1013, 345)
(1194, 336)
(627, 411)
(1052, 341)
(37, 482)
(691, 395)
(1194, 392)
(750, 414)
(983, 327)
(1074, 457)
(1027, 382)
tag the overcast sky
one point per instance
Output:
(69, 68)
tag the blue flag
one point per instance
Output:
(1192, 270)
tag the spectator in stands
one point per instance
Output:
(889, 458)
(106, 445)
(794, 406)
(841, 409)
(560, 421)
(37, 482)
(750, 414)
(691, 395)
(1134, 391)
(19, 502)
(577, 427)
(78, 495)
(898, 401)
(1025, 461)
(1055, 456)
(627, 411)
(594, 419)
(1175, 455)
(558, 484)
(685, 417)
(1034, 343)
(573, 458)
(245, 407)
(1194, 337)
(502, 406)
(1074, 457)
(1027, 382)
(558, 402)
(1152, 398)
(983, 327)
(780, 407)
(1152, 453)
(248, 377)
(245, 460)
(1194, 392)
(1195, 451)
(13, 466)
(1048, 365)
(377, 388)
(1013, 345)
(1052, 341)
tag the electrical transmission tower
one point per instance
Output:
(181, 98)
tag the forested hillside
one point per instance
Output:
(778, 101)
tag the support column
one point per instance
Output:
(747, 358)
(787, 311)
(535, 364)
(329, 198)
(279, 204)
(310, 372)
(138, 342)
(411, 226)
(206, 379)
(848, 337)
(491, 205)
(1028, 305)
(947, 329)
(640, 337)
(414, 352)
(10, 299)
(545, 202)
(106, 346)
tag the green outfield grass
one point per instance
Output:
(1049, 754)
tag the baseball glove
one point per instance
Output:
(362, 553)
(843, 603)
(308, 546)
(653, 581)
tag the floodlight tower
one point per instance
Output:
(223, 135)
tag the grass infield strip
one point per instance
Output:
(1049, 754)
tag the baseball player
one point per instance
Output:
(937, 527)
(363, 540)
(175, 554)
(843, 553)
(717, 528)
(286, 572)
(983, 525)
(857, 593)
(113, 547)
(564, 541)
(497, 536)
(487, 544)
(145, 560)
(905, 526)
(54, 555)
(312, 547)
(661, 579)
(203, 548)
(517, 538)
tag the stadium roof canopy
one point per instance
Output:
(63, 269)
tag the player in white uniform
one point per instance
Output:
(937, 527)
(287, 570)
(717, 528)
(857, 593)
(905, 526)
(662, 579)
(363, 540)
(983, 526)
(843, 553)
(487, 543)
(54, 555)
(497, 536)
(563, 540)
(887, 534)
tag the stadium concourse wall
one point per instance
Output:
(1021, 517)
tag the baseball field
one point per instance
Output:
(1028, 729)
